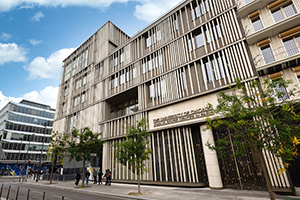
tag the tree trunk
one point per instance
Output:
(266, 174)
(139, 179)
(83, 172)
(51, 175)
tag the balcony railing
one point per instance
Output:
(280, 53)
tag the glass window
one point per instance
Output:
(267, 54)
(248, 1)
(277, 15)
(148, 42)
(199, 40)
(283, 12)
(149, 64)
(213, 69)
(134, 72)
(281, 92)
(175, 25)
(83, 97)
(207, 72)
(257, 23)
(151, 91)
(290, 46)
(208, 36)
(191, 44)
(289, 10)
(122, 78)
(84, 79)
(183, 80)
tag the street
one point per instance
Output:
(36, 192)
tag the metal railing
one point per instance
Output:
(279, 53)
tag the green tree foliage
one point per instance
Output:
(260, 117)
(84, 143)
(56, 149)
(134, 149)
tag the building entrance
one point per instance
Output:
(239, 172)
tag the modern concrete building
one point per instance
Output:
(272, 30)
(25, 131)
(167, 73)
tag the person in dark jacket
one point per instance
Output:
(100, 174)
(107, 175)
(95, 176)
(77, 178)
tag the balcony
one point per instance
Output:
(269, 31)
(248, 6)
(284, 56)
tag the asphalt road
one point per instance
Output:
(37, 193)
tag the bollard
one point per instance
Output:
(28, 194)
(17, 195)
(1, 191)
(7, 197)
(62, 198)
(44, 195)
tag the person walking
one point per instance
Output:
(107, 175)
(95, 176)
(100, 174)
(87, 176)
(77, 178)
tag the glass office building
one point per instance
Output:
(25, 131)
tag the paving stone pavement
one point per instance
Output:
(161, 192)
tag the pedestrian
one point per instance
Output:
(95, 176)
(77, 178)
(87, 176)
(100, 177)
(107, 175)
(35, 173)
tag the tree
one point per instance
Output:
(260, 117)
(134, 149)
(56, 149)
(84, 144)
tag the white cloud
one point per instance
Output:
(4, 100)
(11, 52)
(46, 96)
(152, 9)
(41, 67)
(35, 42)
(37, 17)
(5, 36)
(147, 10)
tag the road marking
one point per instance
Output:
(60, 197)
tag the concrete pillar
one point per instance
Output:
(106, 157)
(211, 160)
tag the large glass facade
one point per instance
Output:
(27, 130)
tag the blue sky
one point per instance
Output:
(36, 35)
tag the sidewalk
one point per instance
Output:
(159, 192)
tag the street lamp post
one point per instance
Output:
(18, 156)
(27, 158)
(40, 168)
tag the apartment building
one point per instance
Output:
(25, 131)
(272, 29)
(167, 73)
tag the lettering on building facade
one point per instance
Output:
(184, 116)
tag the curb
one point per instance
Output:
(87, 191)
